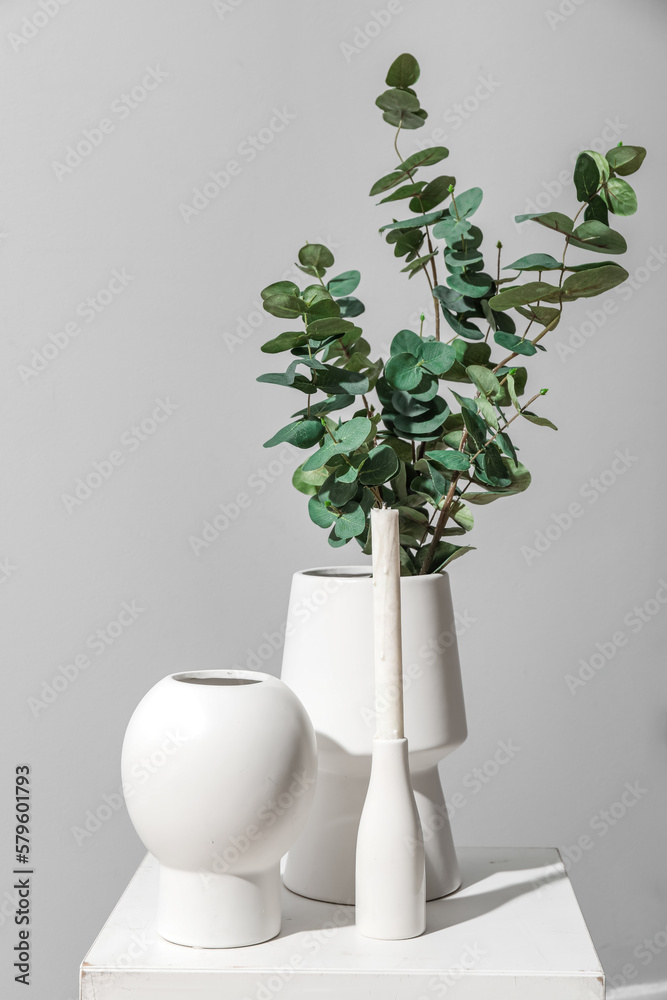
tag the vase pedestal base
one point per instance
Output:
(209, 910)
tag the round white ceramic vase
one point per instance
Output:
(219, 771)
(328, 663)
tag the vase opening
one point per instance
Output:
(347, 572)
(217, 681)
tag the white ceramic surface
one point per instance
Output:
(219, 770)
(328, 662)
(390, 873)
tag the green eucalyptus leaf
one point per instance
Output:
(402, 448)
(316, 255)
(464, 328)
(425, 158)
(475, 285)
(485, 380)
(445, 553)
(426, 390)
(339, 380)
(406, 191)
(403, 371)
(535, 262)
(352, 520)
(329, 326)
(512, 393)
(452, 230)
(435, 192)
(475, 426)
(489, 314)
(344, 284)
(349, 306)
(491, 467)
(323, 308)
(400, 108)
(431, 484)
(326, 406)
(471, 354)
(471, 239)
(519, 295)
(315, 293)
(459, 259)
(519, 474)
(505, 444)
(619, 197)
(346, 438)
(418, 220)
(551, 220)
(544, 315)
(334, 541)
(403, 72)
(301, 433)
(436, 356)
(450, 298)
(487, 412)
(514, 343)
(596, 209)
(352, 434)
(468, 202)
(626, 159)
(406, 341)
(593, 281)
(280, 288)
(426, 426)
(456, 461)
(284, 342)
(381, 465)
(407, 242)
(586, 176)
(416, 265)
(484, 498)
(284, 306)
(534, 419)
(595, 235)
(346, 468)
(387, 182)
(463, 516)
(308, 482)
(282, 378)
(322, 516)
(337, 491)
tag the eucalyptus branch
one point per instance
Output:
(497, 289)
(431, 284)
(501, 430)
(390, 438)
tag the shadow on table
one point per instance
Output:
(465, 904)
(462, 906)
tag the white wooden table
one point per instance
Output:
(514, 930)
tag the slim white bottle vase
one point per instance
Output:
(391, 880)
(390, 867)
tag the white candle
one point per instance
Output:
(387, 623)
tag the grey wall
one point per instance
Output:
(549, 80)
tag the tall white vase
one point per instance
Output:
(219, 770)
(328, 663)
